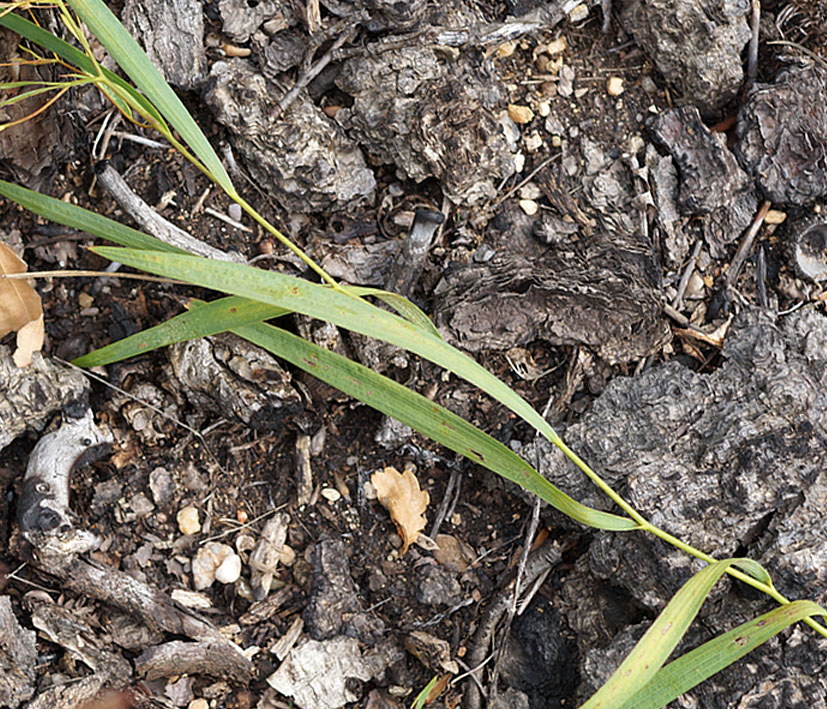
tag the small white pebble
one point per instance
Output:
(199, 703)
(234, 210)
(229, 570)
(533, 142)
(331, 494)
(615, 86)
(529, 206)
(556, 141)
(519, 162)
(188, 521)
(544, 108)
(205, 563)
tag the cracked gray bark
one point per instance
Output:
(782, 135)
(732, 462)
(601, 291)
(302, 157)
(226, 375)
(172, 34)
(29, 396)
(429, 117)
(711, 182)
(696, 45)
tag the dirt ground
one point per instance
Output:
(174, 449)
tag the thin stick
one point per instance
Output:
(90, 274)
(153, 222)
(677, 301)
(752, 56)
(746, 245)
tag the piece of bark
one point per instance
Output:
(29, 396)
(73, 630)
(229, 376)
(429, 117)
(18, 656)
(711, 182)
(320, 675)
(265, 557)
(172, 34)
(334, 606)
(242, 18)
(302, 158)
(43, 512)
(696, 46)
(603, 292)
(782, 135)
(203, 658)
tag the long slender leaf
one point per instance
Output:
(83, 219)
(138, 67)
(401, 305)
(327, 304)
(218, 316)
(384, 394)
(653, 649)
(74, 56)
(694, 667)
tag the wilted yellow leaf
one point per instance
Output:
(400, 494)
(20, 308)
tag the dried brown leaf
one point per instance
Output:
(29, 341)
(400, 494)
(20, 308)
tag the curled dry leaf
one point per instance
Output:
(20, 309)
(400, 494)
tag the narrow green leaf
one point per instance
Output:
(419, 702)
(402, 306)
(218, 316)
(129, 56)
(82, 219)
(427, 417)
(652, 650)
(74, 56)
(358, 381)
(700, 664)
(327, 304)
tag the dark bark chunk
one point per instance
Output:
(695, 45)
(782, 135)
(711, 182)
(601, 291)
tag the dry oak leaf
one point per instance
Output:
(399, 493)
(20, 308)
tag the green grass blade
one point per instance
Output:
(653, 649)
(82, 219)
(327, 304)
(384, 394)
(74, 56)
(219, 316)
(402, 306)
(700, 664)
(129, 56)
